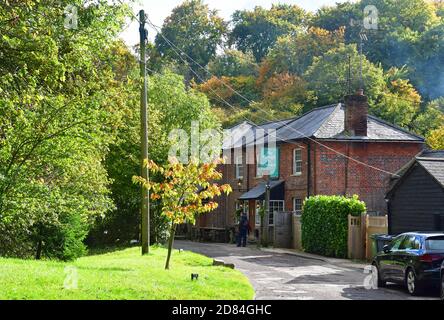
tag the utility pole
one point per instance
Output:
(145, 223)
(265, 229)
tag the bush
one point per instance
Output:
(62, 240)
(325, 224)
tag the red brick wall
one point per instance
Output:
(334, 174)
(330, 174)
(295, 185)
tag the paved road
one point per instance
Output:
(284, 276)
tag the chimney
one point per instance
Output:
(356, 113)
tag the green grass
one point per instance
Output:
(123, 274)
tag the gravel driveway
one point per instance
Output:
(281, 276)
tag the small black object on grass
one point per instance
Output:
(194, 276)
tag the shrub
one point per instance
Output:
(62, 240)
(325, 223)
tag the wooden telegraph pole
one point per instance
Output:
(145, 223)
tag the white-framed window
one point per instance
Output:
(275, 206)
(297, 162)
(239, 167)
(297, 205)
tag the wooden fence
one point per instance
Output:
(360, 230)
(297, 232)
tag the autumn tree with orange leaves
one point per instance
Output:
(185, 191)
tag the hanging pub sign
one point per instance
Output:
(268, 162)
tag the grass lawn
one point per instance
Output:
(123, 274)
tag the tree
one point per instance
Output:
(233, 63)
(327, 77)
(184, 191)
(409, 33)
(171, 106)
(59, 108)
(194, 29)
(258, 30)
(428, 119)
(295, 54)
(427, 69)
(221, 91)
(435, 139)
(400, 102)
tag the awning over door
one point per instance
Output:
(258, 192)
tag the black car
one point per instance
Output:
(413, 259)
(442, 281)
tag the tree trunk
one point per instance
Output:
(38, 252)
(170, 245)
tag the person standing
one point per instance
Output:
(244, 228)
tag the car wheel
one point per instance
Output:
(412, 282)
(380, 282)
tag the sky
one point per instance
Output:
(158, 10)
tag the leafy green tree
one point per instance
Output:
(427, 120)
(59, 108)
(400, 102)
(194, 29)
(258, 30)
(409, 33)
(233, 63)
(427, 68)
(222, 91)
(327, 77)
(295, 53)
(435, 139)
(171, 106)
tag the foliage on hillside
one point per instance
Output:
(305, 60)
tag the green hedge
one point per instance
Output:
(325, 224)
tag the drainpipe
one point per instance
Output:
(389, 215)
(308, 168)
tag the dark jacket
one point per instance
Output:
(244, 226)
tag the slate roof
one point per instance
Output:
(431, 160)
(325, 123)
(435, 167)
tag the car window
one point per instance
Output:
(411, 243)
(396, 243)
(435, 243)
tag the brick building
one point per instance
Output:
(332, 150)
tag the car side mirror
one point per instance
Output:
(386, 248)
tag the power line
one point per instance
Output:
(177, 50)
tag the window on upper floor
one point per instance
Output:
(297, 162)
(239, 168)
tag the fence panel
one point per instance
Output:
(355, 237)
(297, 232)
(282, 230)
(374, 225)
